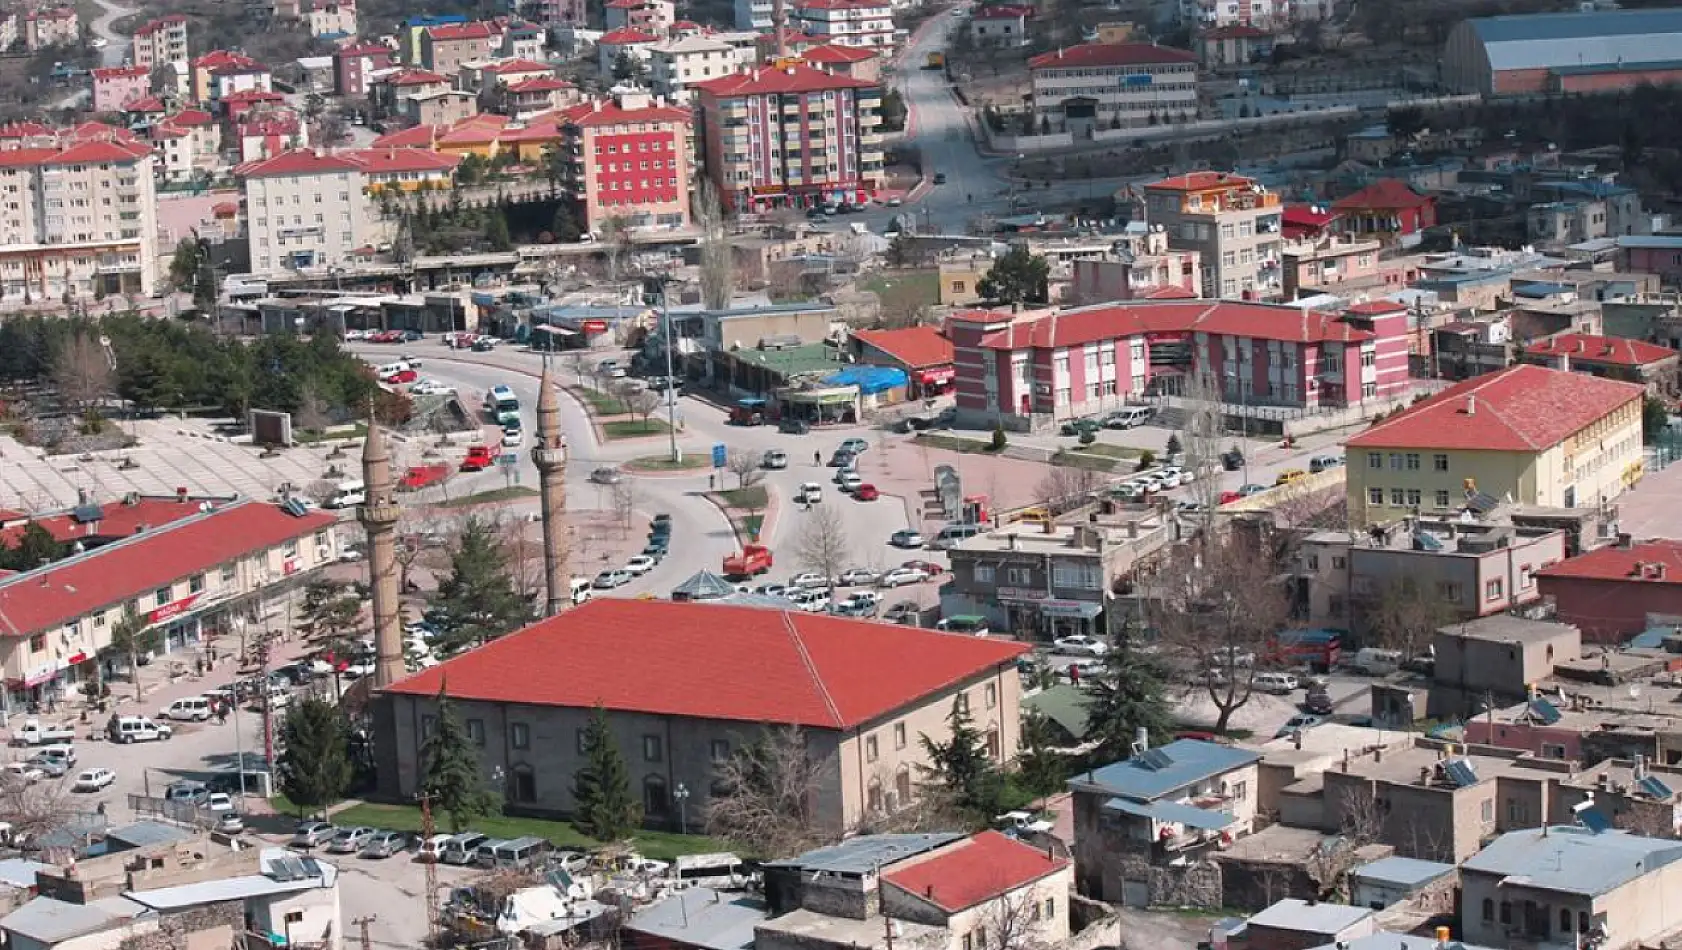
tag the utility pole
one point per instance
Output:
(428, 829)
(361, 924)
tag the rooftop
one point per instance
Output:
(916, 347)
(1572, 860)
(49, 921)
(625, 36)
(810, 928)
(968, 873)
(1504, 628)
(1387, 940)
(868, 853)
(1617, 350)
(1519, 409)
(1658, 561)
(1263, 321)
(797, 77)
(1099, 55)
(711, 661)
(1309, 917)
(702, 917)
(1603, 37)
(1383, 195)
(1165, 769)
(1406, 872)
(1201, 181)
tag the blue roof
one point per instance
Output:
(869, 379)
(1652, 242)
(1173, 812)
(1406, 872)
(1165, 769)
(1573, 860)
(1576, 40)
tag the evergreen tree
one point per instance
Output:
(565, 224)
(130, 637)
(496, 231)
(477, 601)
(603, 807)
(1127, 697)
(35, 547)
(1040, 768)
(1017, 277)
(314, 770)
(961, 764)
(450, 773)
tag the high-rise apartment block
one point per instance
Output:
(628, 158)
(76, 221)
(159, 41)
(1232, 221)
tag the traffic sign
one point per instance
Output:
(508, 459)
(719, 453)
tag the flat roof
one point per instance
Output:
(1407, 872)
(868, 853)
(1305, 917)
(703, 917)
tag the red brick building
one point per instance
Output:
(1388, 209)
(1616, 592)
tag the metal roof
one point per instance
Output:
(1314, 918)
(144, 833)
(20, 872)
(1407, 872)
(1573, 860)
(703, 917)
(51, 921)
(1165, 769)
(868, 853)
(1548, 40)
(1174, 813)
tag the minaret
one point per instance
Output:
(550, 455)
(379, 516)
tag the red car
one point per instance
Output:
(401, 376)
(423, 476)
(927, 567)
(866, 493)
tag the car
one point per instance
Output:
(1232, 460)
(1245, 491)
(606, 475)
(808, 579)
(1279, 684)
(1232, 656)
(773, 590)
(940, 178)
(92, 780)
(1169, 478)
(350, 840)
(895, 201)
(927, 567)
(23, 772)
(400, 378)
(857, 575)
(810, 493)
(512, 438)
(97, 42)
(867, 492)
(1290, 475)
(640, 564)
(842, 459)
(656, 550)
(384, 844)
(1080, 645)
(1318, 701)
(662, 518)
(848, 480)
(608, 580)
(793, 426)
(1213, 676)
(230, 823)
(906, 538)
(1321, 463)
(774, 459)
(1081, 426)
(1298, 723)
(855, 445)
(900, 576)
(903, 611)
(49, 766)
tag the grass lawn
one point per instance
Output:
(485, 497)
(304, 437)
(1107, 449)
(602, 404)
(923, 286)
(751, 497)
(661, 845)
(1096, 463)
(954, 443)
(634, 428)
(664, 463)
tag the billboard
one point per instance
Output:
(270, 428)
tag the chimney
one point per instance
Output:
(1142, 737)
(1658, 572)
(1424, 775)
(1442, 938)
(1010, 541)
(1565, 362)
(1296, 740)
(1623, 541)
(1345, 752)
(81, 496)
(181, 494)
(1471, 405)
(1377, 755)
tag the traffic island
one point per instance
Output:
(747, 509)
(633, 429)
(663, 464)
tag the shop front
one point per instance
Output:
(819, 406)
(932, 381)
(1049, 617)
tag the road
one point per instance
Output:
(117, 44)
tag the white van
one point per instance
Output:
(390, 368)
(194, 708)
(953, 535)
(126, 729)
(347, 494)
(463, 848)
(1375, 662)
(431, 849)
(580, 590)
(1130, 417)
(1276, 683)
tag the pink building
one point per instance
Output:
(115, 87)
(352, 65)
(649, 16)
(1032, 370)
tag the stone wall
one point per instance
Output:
(201, 928)
(1197, 884)
(840, 898)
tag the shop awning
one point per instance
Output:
(554, 330)
(1172, 813)
(935, 376)
(1070, 608)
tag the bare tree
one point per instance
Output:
(625, 502)
(718, 266)
(82, 372)
(580, 366)
(765, 795)
(522, 552)
(1200, 442)
(1012, 921)
(312, 410)
(1404, 616)
(1066, 487)
(615, 241)
(822, 545)
(744, 465)
(641, 401)
(902, 306)
(33, 809)
(1220, 605)
(1360, 822)
(320, 491)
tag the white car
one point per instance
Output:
(512, 438)
(1168, 478)
(774, 458)
(900, 576)
(24, 772)
(808, 579)
(640, 565)
(849, 482)
(816, 602)
(92, 780)
(810, 492)
(1080, 645)
(856, 576)
(906, 538)
(219, 801)
(607, 580)
(431, 387)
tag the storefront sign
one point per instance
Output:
(37, 676)
(593, 326)
(942, 374)
(78, 658)
(1070, 608)
(173, 609)
(1022, 593)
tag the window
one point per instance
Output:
(428, 724)
(476, 731)
(1369, 390)
(990, 695)
(1439, 461)
(1019, 576)
(1488, 909)
(227, 573)
(1506, 912)
(162, 595)
(525, 784)
(196, 584)
(1375, 496)
(1240, 791)
(899, 735)
(1375, 460)
(870, 751)
(38, 643)
(1413, 461)
(1565, 920)
(652, 749)
(961, 703)
(1442, 499)
(583, 742)
(1492, 589)
(1368, 358)
(1398, 497)
(294, 916)
(1313, 562)
(1413, 498)
(1395, 461)
(969, 942)
(1050, 908)
(519, 735)
(654, 798)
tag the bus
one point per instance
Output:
(502, 405)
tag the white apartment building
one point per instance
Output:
(77, 221)
(753, 15)
(163, 40)
(308, 210)
(868, 23)
(676, 64)
(1097, 86)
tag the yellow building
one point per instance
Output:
(960, 277)
(1527, 434)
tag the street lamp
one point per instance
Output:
(671, 379)
(682, 796)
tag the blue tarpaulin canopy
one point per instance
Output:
(869, 379)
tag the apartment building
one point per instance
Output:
(790, 136)
(1388, 210)
(444, 48)
(530, 98)
(1527, 434)
(189, 141)
(856, 62)
(676, 65)
(52, 26)
(1232, 221)
(622, 42)
(628, 158)
(1618, 591)
(77, 220)
(863, 23)
(220, 73)
(308, 210)
(1140, 265)
(187, 566)
(649, 16)
(115, 87)
(159, 41)
(1326, 264)
(354, 65)
(1030, 370)
(1555, 725)
(1099, 86)
(1001, 26)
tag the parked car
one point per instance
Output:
(904, 611)
(1080, 645)
(219, 801)
(608, 580)
(774, 459)
(854, 445)
(866, 492)
(606, 475)
(927, 567)
(23, 772)
(92, 780)
(640, 564)
(1298, 722)
(900, 576)
(1081, 426)
(350, 840)
(1318, 702)
(793, 426)
(384, 844)
(810, 493)
(230, 823)
(849, 481)
(906, 538)
(857, 575)
(808, 579)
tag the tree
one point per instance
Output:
(1199, 440)
(822, 544)
(1040, 768)
(130, 637)
(744, 465)
(35, 546)
(1174, 446)
(764, 794)
(999, 441)
(614, 240)
(1127, 698)
(565, 224)
(450, 774)
(624, 503)
(314, 769)
(1404, 616)
(604, 807)
(893, 111)
(83, 372)
(1066, 487)
(718, 266)
(331, 609)
(643, 402)
(961, 765)
(1655, 416)
(629, 69)
(496, 231)
(1017, 277)
(477, 601)
(1405, 122)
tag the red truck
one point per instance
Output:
(754, 559)
(423, 476)
(479, 458)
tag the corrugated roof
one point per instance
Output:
(970, 872)
(1165, 769)
(51, 921)
(1573, 860)
(868, 853)
(702, 917)
(1315, 918)
(916, 347)
(1546, 40)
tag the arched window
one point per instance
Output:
(873, 796)
(655, 800)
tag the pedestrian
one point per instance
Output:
(817, 458)
(222, 714)
(1074, 676)
(712, 481)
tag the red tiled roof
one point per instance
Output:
(169, 132)
(160, 23)
(882, 5)
(1006, 11)
(1236, 31)
(415, 77)
(539, 84)
(1601, 349)
(249, 96)
(57, 13)
(626, 36)
(608, 112)
(962, 875)
(47, 598)
(826, 53)
(225, 208)
(120, 72)
(1111, 54)
(269, 125)
(190, 118)
(916, 347)
(298, 161)
(461, 31)
(1129, 318)
(1201, 181)
(1386, 194)
(711, 661)
(1519, 409)
(1376, 308)
(795, 78)
(1170, 292)
(389, 160)
(216, 59)
(18, 130)
(419, 136)
(1615, 563)
(19, 157)
(95, 152)
(517, 66)
(1307, 217)
(148, 104)
(116, 520)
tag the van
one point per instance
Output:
(721, 871)
(462, 848)
(347, 494)
(390, 368)
(975, 626)
(953, 535)
(580, 590)
(1130, 417)
(1376, 662)
(126, 729)
(484, 856)
(431, 849)
(1275, 683)
(193, 708)
(518, 854)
